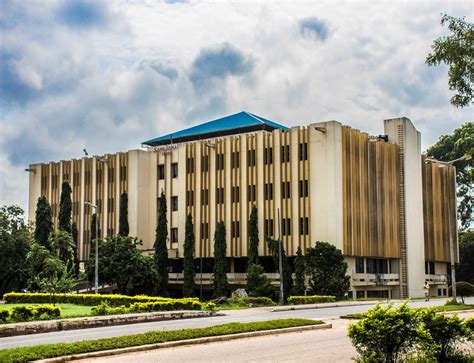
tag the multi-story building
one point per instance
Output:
(390, 211)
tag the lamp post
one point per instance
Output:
(96, 271)
(280, 261)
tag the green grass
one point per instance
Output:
(25, 354)
(67, 310)
(443, 308)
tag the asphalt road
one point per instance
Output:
(231, 316)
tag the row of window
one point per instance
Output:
(371, 265)
(161, 171)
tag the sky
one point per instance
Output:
(107, 75)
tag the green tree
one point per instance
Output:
(465, 268)
(219, 277)
(456, 52)
(62, 245)
(15, 242)
(161, 250)
(123, 217)
(326, 269)
(286, 273)
(253, 236)
(65, 208)
(451, 147)
(300, 273)
(61, 281)
(75, 239)
(43, 222)
(257, 283)
(188, 263)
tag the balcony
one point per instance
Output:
(436, 279)
(360, 279)
(232, 278)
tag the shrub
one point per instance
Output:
(257, 301)
(4, 315)
(104, 309)
(182, 304)
(469, 323)
(209, 306)
(35, 312)
(314, 299)
(23, 313)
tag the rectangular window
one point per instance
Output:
(268, 156)
(98, 176)
(204, 230)
(123, 173)
(285, 153)
(234, 159)
(251, 158)
(205, 196)
(110, 205)
(268, 227)
(235, 229)
(285, 190)
(360, 265)
(174, 170)
(220, 195)
(268, 191)
(190, 165)
(205, 163)
(160, 171)
(76, 178)
(303, 188)
(235, 194)
(111, 175)
(303, 151)
(87, 177)
(174, 204)
(304, 230)
(252, 193)
(220, 161)
(286, 227)
(174, 235)
(189, 198)
(377, 266)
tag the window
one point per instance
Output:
(98, 176)
(205, 196)
(87, 177)
(190, 165)
(268, 227)
(174, 204)
(174, 170)
(220, 161)
(204, 230)
(286, 226)
(174, 235)
(111, 176)
(54, 181)
(110, 205)
(189, 198)
(76, 178)
(235, 194)
(268, 155)
(251, 158)
(234, 159)
(303, 188)
(205, 163)
(268, 191)
(252, 193)
(380, 294)
(160, 171)
(235, 229)
(285, 153)
(220, 195)
(360, 294)
(285, 190)
(304, 228)
(377, 266)
(360, 265)
(304, 151)
(123, 172)
(429, 268)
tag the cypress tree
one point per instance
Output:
(219, 277)
(43, 222)
(188, 268)
(258, 284)
(161, 250)
(75, 234)
(253, 236)
(123, 217)
(300, 270)
(65, 208)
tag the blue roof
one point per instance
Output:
(242, 121)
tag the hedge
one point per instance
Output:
(182, 304)
(36, 352)
(4, 315)
(35, 312)
(85, 299)
(314, 299)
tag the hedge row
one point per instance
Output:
(181, 304)
(85, 299)
(36, 352)
(30, 312)
(314, 299)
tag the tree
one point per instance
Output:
(257, 283)
(287, 273)
(161, 250)
(65, 208)
(15, 242)
(327, 269)
(456, 52)
(451, 147)
(465, 268)
(123, 217)
(62, 245)
(253, 236)
(188, 263)
(463, 289)
(300, 273)
(219, 277)
(61, 281)
(43, 222)
(75, 239)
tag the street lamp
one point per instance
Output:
(96, 272)
(280, 261)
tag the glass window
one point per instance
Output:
(205, 163)
(160, 171)
(235, 194)
(189, 198)
(190, 165)
(359, 265)
(268, 155)
(285, 153)
(251, 191)
(235, 159)
(303, 188)
(303, 151)
(235, 229)
(174, 204)
(269, 227)
(174, 170)
(205, 197)
(304, 226)
(268, 191)
(251, 158)
(174, 235)
(220, 161)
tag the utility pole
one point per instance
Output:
(280, 261)
(96, 270)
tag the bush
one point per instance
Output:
(104, 309)
(182, 304)
(86, 299)
(35, 312)
(249, 301)
(469, 323)
(4, 315)
(209, 306)
(314, 299)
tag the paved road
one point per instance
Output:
(231, 316)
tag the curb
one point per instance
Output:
(330, 305)
(178, 343)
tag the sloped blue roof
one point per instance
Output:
(239, 122)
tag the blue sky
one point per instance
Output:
(106, 75)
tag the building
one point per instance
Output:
(392, 213)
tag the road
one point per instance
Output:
(231, 316)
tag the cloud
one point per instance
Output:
(314, 28)
(82, 14)
(162, 69)
(218, 63)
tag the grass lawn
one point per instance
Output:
(67, 310)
